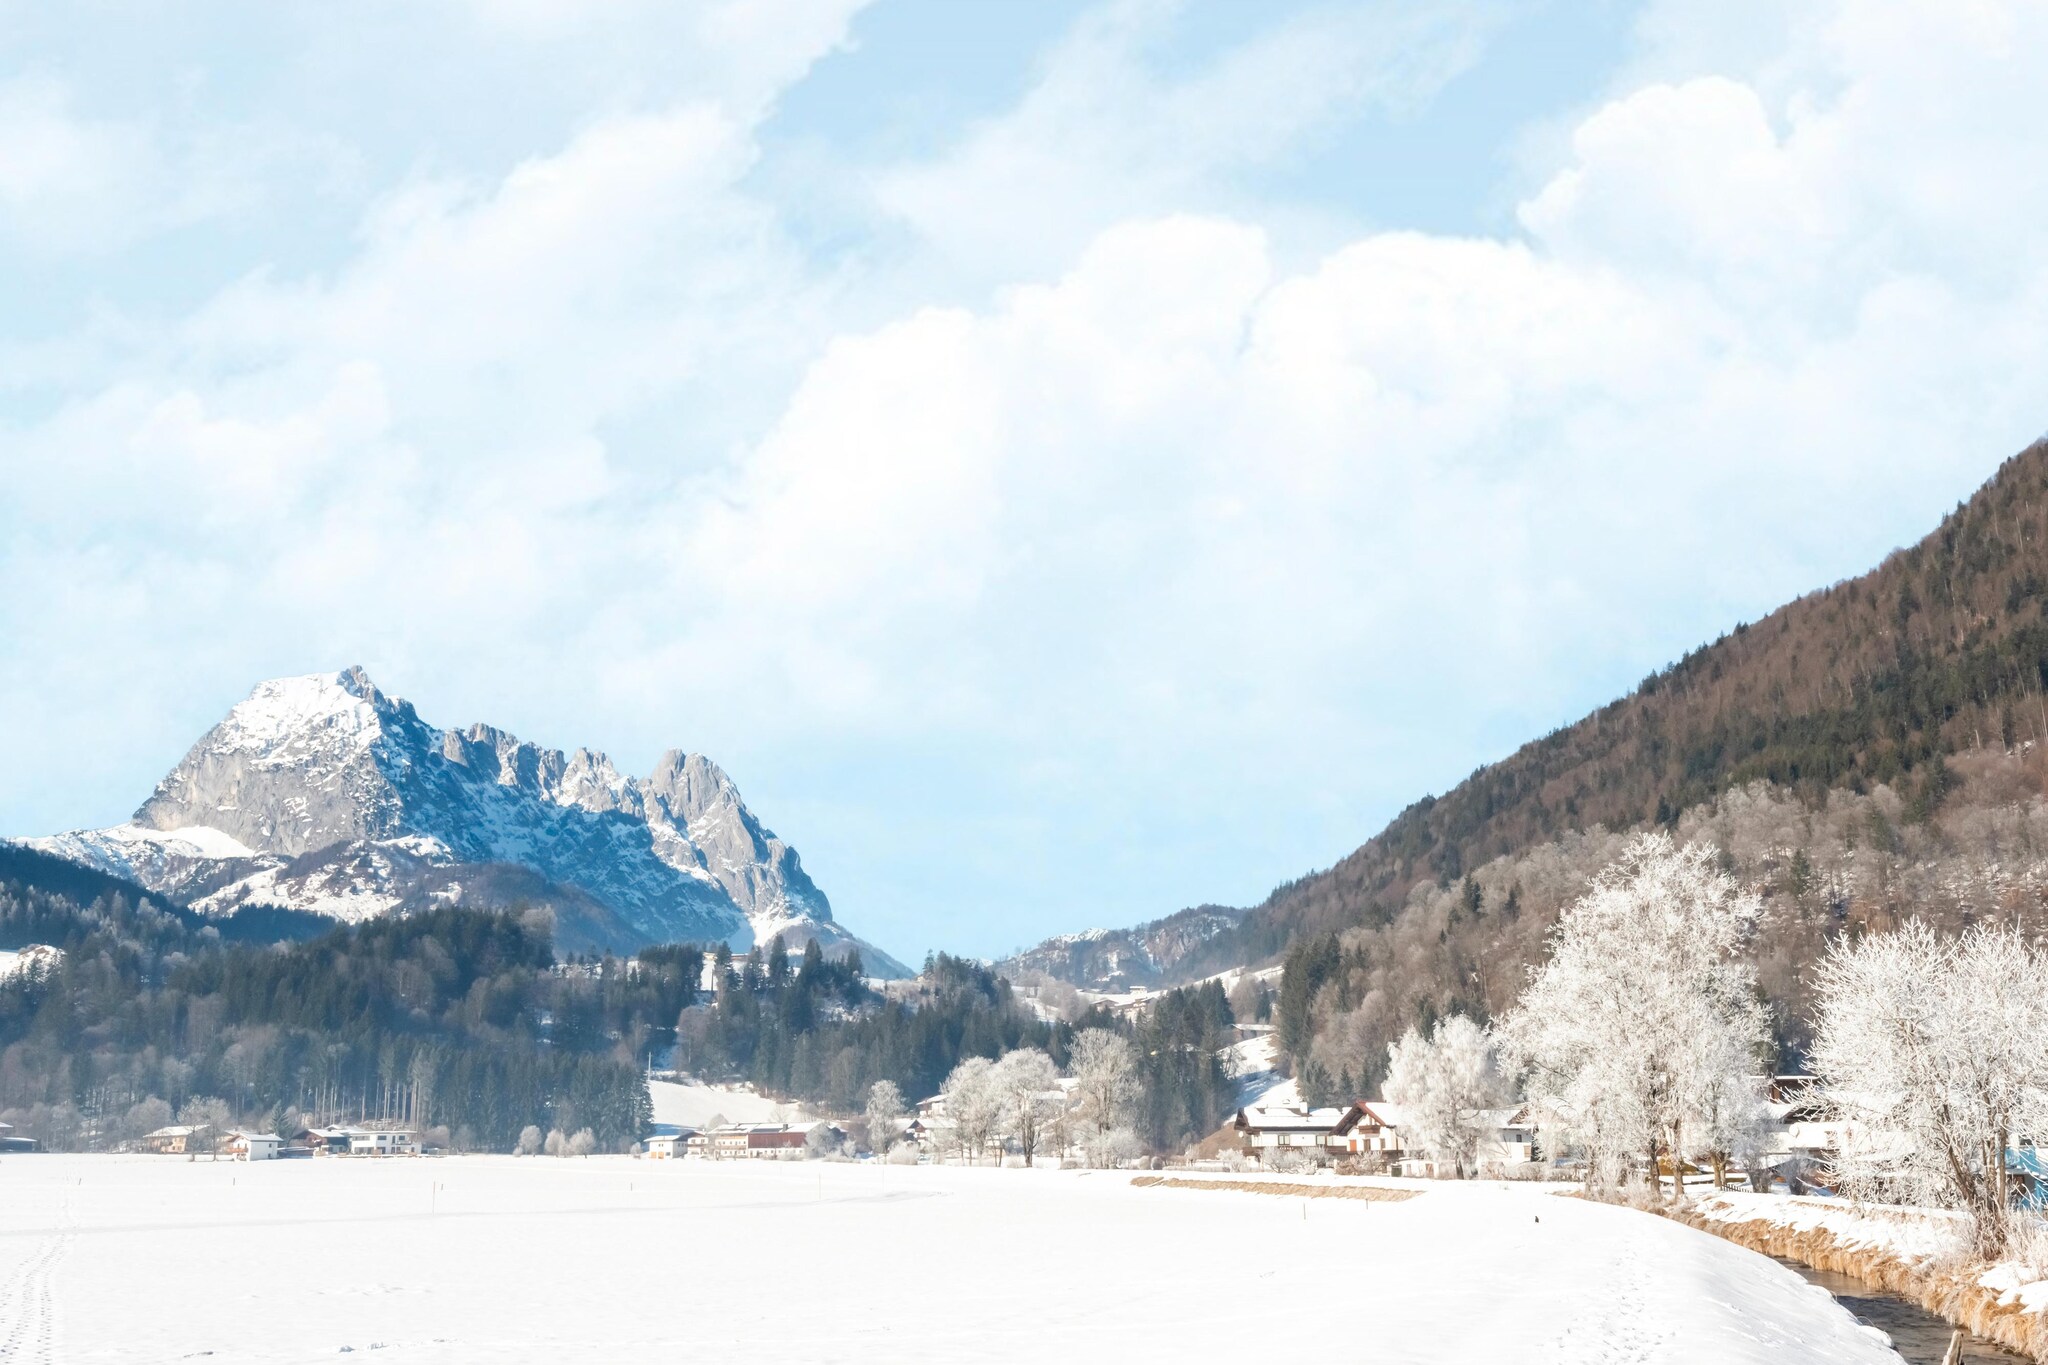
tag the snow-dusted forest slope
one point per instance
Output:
(1875, 749)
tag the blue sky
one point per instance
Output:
(1067, 460)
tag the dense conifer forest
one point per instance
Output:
(451, 1019)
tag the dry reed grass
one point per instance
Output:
(1946, 1288)
(1371, 1193)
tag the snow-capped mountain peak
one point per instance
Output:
(321, 792)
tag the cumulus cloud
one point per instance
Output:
(1157, 574)
(1113, 128)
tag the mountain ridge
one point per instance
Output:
(321, 792)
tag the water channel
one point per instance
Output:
(1919, 1336)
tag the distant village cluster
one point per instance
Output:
(1798, 1140)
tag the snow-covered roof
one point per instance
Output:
(1294, 1119)
(178, 1130)
(1384, 1113)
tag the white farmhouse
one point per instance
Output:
(1269, 1130)
(243, 1145)
(382, 1142)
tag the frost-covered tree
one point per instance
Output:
(1731, 1125)
(582, 1144)
(1934, 1051)
(557, 1144)
(1629, 1031)
(529, 1140)
(208, 1118)
(974, 1104)
(1440, 1082)
(1107, 1150)
(1027, 1086)
(884, 1111)
(1105, 1068)
(290, 1122)
(146, 1116)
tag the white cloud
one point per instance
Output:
(1177, 552)
(67, 182)
(1112, 130)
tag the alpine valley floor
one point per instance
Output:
(555, 1260)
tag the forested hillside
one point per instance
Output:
(452, 1018)
(1118, 959)
(1874, 682)
(464, 1024)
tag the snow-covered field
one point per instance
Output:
(34, 955)
(693, 1104)
(541, 1259)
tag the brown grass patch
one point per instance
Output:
(1370, 1193)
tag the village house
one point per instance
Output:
(1508, 1137)
(344, 1139)
(1371, 1130)
(1270, 1130)
(243, 1145)
(328, 1141)
(759, 1142)
(1802, 1138)
(177, 1139)
(729, 1144)
(669, 1145)
(777, 1142)
(383, 1142)
(10, 1143)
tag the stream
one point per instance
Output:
(1919, 1336)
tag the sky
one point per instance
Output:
(1067, 460)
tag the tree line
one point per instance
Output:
(450, 1019)
(464, 1024)
(815, 1031)
(1642, 1046)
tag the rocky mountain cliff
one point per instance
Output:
(322, 793)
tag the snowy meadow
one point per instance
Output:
(120, 1259)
